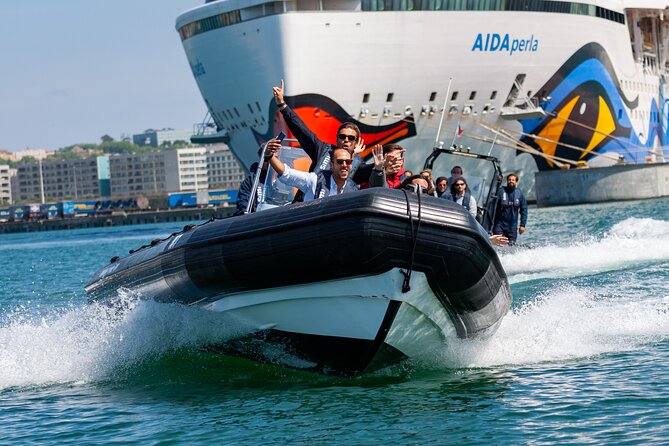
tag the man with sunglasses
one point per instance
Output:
(348, 137)
(327, 182)
(461, 195)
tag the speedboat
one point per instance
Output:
(343, 285)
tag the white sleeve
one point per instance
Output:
(304, 181)
(472, 206)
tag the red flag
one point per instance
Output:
(459, 131)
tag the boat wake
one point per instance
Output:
(631, 242)
(98, 342)
(568, 323)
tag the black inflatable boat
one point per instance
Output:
(342, 285)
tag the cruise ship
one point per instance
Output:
(539, 84)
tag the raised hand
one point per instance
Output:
(359, 147)
(379, 161)
(278, 93)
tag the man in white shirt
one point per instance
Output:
(327, 182)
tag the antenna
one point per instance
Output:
(443, 111)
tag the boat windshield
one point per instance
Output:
(482, 173)
(274, 192)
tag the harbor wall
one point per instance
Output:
(118, 219)
(601, 184)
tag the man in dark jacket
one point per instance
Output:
(348, 137)
(244, 192)
(511, 204)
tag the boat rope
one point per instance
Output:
(406, 285)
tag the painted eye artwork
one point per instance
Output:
(588, 114)
(324, 116)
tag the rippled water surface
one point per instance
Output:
(583, 356)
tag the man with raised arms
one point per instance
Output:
(330, 182)
(348, 137)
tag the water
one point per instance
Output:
(583, 356)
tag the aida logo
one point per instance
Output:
(502, 43)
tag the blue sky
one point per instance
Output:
(74, 70)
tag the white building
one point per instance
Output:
(5, 184)
(224, 170)
(186, 169)
(38, 154)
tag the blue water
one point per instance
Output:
(583, 356)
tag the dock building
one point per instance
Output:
(5, 184)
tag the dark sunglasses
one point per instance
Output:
(343, 137)
(347, 162)
(459, 184)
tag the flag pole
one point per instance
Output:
(443, 111)
(455, 133)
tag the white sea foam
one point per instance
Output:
(92, 342)
(566, 323)
(630, 242)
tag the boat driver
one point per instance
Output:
(330, 182)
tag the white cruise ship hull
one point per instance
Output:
(581, 94)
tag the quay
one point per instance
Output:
(601, 184)
(118, 219)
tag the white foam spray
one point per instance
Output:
(566, 323)
(92, 342)
(633, 241)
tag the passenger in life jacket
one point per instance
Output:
(348, 137)
(511, 203)
(245, 188)
(441, 186)
(461, 195)
(327, 182)
(427, 176)
(456, 172)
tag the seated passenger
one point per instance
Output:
(415, 183)
(427, 175)
(441, 186)
(393, 166)
(327, 182)
(460, 194)
(247, 185)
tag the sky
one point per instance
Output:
(72, 71)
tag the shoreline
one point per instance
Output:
(117, 219)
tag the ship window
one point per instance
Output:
(390, 96)
(236, 112)
(493, 95)
(250, 108)
(472, 95)
(365, 98)
(454, 96)
(258, 107)
(433, 96)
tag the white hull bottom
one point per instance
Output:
(341, 327)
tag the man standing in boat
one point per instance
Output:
(511, 203)
(330, 182)
(348, 137)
